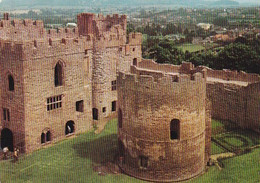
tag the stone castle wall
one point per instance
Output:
(234, 95)
(13, 100)
(90, 56)
(236, 103)
(148, 101)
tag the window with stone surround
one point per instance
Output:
(58, 75)
(143, 161)
(113, 83)
(6, 114)
(80, 106)
(113, 106)
(175, 129)
(54, 102)
(10, 82)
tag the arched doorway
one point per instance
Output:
(69, 127)
(7, 139)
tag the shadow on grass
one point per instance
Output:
(237, 141)
(99, 150)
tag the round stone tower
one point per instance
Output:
(162, 123)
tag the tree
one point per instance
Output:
(221, 21)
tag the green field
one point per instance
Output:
(190, 47)
(237, 140)
(216, 149)
(73, 159)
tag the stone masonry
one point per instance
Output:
(64, 80)
(57, 83)
(151, 146)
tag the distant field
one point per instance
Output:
(72, 161)
(190, 47)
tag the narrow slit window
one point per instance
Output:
(11, 83)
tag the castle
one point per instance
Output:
(57, 83)
(164, 116)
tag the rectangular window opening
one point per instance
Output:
(113, 83)
(54, 102)
(80, 106)
(113, 106)
(104, 109)
(6, 114)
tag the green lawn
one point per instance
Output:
(216, 124)
(215, 149)
(238, 139)
(190, 47)
(72, 161)
(244, 168)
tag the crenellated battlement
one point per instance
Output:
(26, 50)
(188, 68)
(21, 23)
(148, 79)
(89, 23)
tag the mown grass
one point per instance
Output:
(216, 149)
(72, 160)
(244, 168)
(190, 47)
(238, 139)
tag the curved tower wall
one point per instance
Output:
(148, 102)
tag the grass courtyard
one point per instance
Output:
(73, 159)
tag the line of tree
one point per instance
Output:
(241, 55)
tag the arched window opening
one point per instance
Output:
(11, 83)
(43, 138)
(58, 74)
(69, 127)
(120, 118)
(48, 136)
(7, 139)
(135, 61)
(175, 129)
(95, 113)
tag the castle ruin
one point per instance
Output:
(57, 83)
